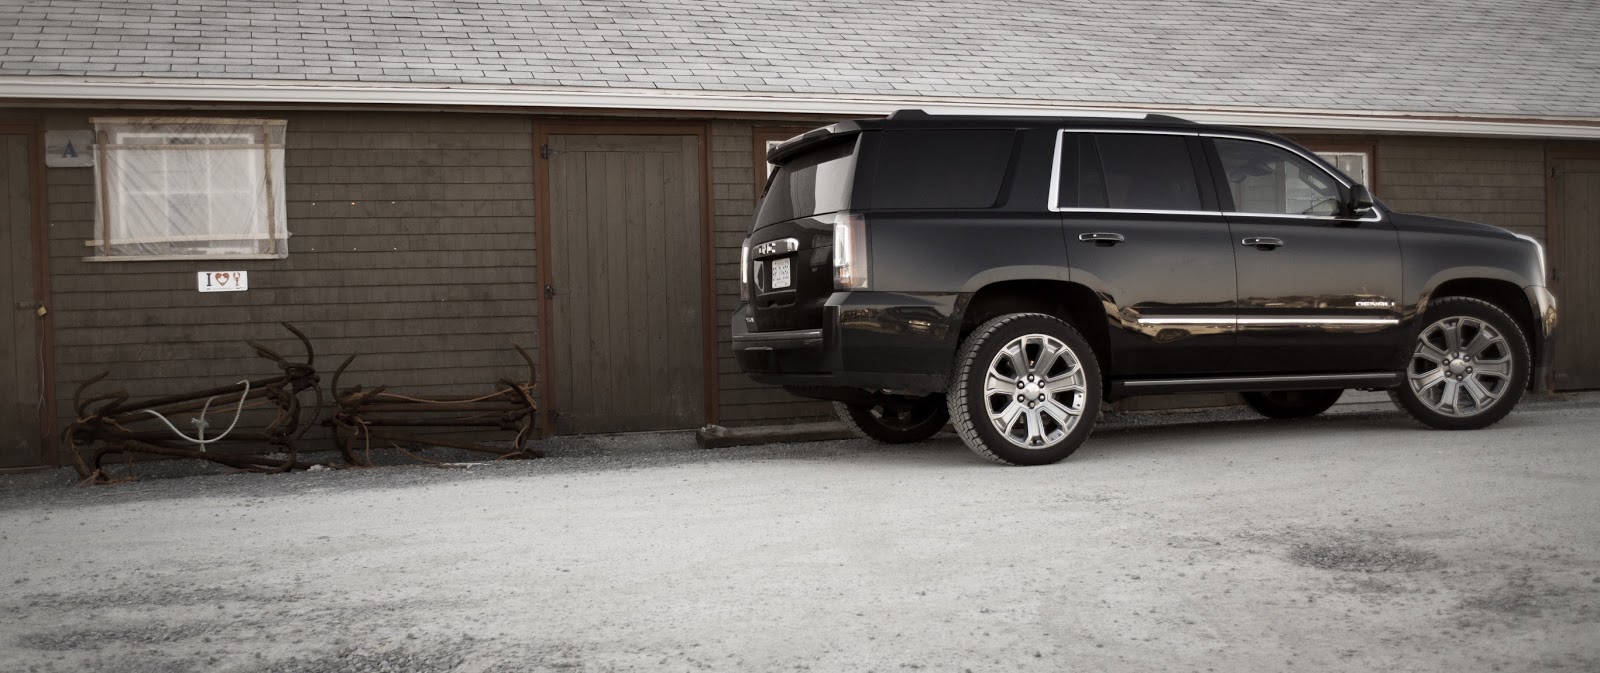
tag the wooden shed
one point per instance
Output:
(585, 195)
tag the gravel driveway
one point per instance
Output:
(1355, 542)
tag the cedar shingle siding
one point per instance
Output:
(1499, 182)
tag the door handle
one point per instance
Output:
(1102, 238)
(1262, 242)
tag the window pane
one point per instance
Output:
(941, 169)
(1352, 164)
(179, 187)
(1269, 179)
(1148, 172)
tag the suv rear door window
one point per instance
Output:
(814, 183)
(942, 168)
(1142, 171)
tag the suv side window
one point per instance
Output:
(1268, 179)
(942, 168)
(1139, 171)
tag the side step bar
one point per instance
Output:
(1122, 388)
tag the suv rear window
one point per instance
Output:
(814, 183)
(941, 168)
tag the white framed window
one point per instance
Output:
(1352, 164)
(189, 188)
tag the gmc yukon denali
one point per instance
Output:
(1008, 275)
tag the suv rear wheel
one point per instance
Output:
(1026, 390)
(895, 423)
(1467, 367)
(1292, 403)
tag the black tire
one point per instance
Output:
(1501, 368)
(970, 404)
(1292, 403)
(895, 424)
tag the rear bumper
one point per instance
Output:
(1543, 304)
(877, 341)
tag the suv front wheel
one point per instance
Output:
(1026, 390)
(1467, 367)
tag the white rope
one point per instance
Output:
(201, 423)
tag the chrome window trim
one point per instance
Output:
(1054, 200)
(1300, 320)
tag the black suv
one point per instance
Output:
(1008, 274)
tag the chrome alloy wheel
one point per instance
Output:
(1034, 391)
(1461, 366)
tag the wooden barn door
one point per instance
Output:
(625, 282)
(1574, 248)
(20, 436)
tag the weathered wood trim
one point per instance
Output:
(541, 227)
(708, 279)
(39, 242)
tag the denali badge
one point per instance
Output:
(1374, 304)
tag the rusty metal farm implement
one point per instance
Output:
(232, 424)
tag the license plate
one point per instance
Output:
(780, 273)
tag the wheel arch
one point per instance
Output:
(1072, 302)
(1504, 295)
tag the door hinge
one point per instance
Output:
(549, 292)
(545, 152)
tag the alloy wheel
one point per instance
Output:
(1460, 366)
(1034, 391)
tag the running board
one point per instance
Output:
(1235, 384)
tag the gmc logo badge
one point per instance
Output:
(778, 247)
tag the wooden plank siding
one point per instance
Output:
(412, 243)
(742, 401)
(1499, 182)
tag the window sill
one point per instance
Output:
(177, 258)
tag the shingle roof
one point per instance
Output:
(1475, 57)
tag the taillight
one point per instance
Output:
(744, 271)
(849, 251)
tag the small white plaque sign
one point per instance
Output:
(224, 281)
(69, 149)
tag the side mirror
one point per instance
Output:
(1357, 202)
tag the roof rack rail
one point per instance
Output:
(917, 113)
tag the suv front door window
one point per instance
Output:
(1267, 179)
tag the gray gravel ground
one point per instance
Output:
(1189, 542)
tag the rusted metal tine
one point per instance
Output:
(362, 412)
(111, 421)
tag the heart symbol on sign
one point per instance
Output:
(221, 278)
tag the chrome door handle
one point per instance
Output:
(1101, 238)
(1262, 242)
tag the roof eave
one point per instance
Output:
(285, 92)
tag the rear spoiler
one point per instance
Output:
(810, 139)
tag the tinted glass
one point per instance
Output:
(941, 168)
(1147, 172)
(1269, 179)
(814, 183)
